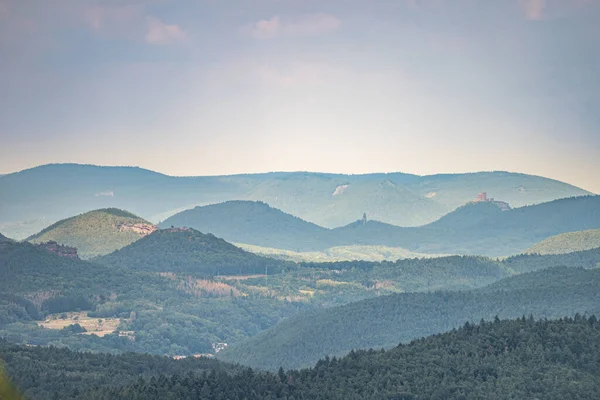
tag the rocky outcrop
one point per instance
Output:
(62, 251)
(139, 228)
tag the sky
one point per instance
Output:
(208, 87)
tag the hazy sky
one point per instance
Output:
(209, 87)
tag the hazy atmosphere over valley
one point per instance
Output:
(269, 199)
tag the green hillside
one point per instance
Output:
(504, 360)
(254, 223)
(384, 321)
(187, 251)
(339, 253)
(568, 243)
(176, 314)
(34, 198)
(96, 233)
(167, 314)
(46, 373)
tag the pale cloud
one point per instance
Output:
(533, 9)
(308, 25)
(159, 33)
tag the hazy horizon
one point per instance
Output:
(207, 88)
(258, 172)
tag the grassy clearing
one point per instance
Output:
(93, 326)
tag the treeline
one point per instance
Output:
(513, 359)
(59, 373)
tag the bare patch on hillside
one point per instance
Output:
(240, 277)
(93, 326)
(140, 228)
(206, 288)
(340, 190)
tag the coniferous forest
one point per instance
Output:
(500, 359)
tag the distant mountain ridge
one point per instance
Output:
(475, 228)
(39, 196)
(96, 233)
(252, 222)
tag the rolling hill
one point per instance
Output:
(3, 238)
(254, 223)
(475, 228)
(384, 321)
(187, 251)
(37, 197)
(166, 314)
(568, 243)
(511, 359)
(96, 233)
(481, 228)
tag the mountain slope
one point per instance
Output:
(513, 359)
(66, 374)
(96, 233)
(26, 269)
(475, 228)
(185, 250)
(37, 197)
(254, 223)
(505, 360)
(454, 190)
(481, 228)
(387, 320)
(334, 200)
(166, 315)
(568, 242)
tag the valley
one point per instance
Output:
(249, 284)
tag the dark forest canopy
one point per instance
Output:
(512, 359)
(188, 251)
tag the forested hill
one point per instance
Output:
(482, 228)
(514, 359)
(33, 198)
(96, 233)
(46, 373)
(3, 238)
(60, 284)
(185, 250)
(255, 223)
(475, 229)
(568, 242)
(387, 320)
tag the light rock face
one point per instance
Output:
(141, 228)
